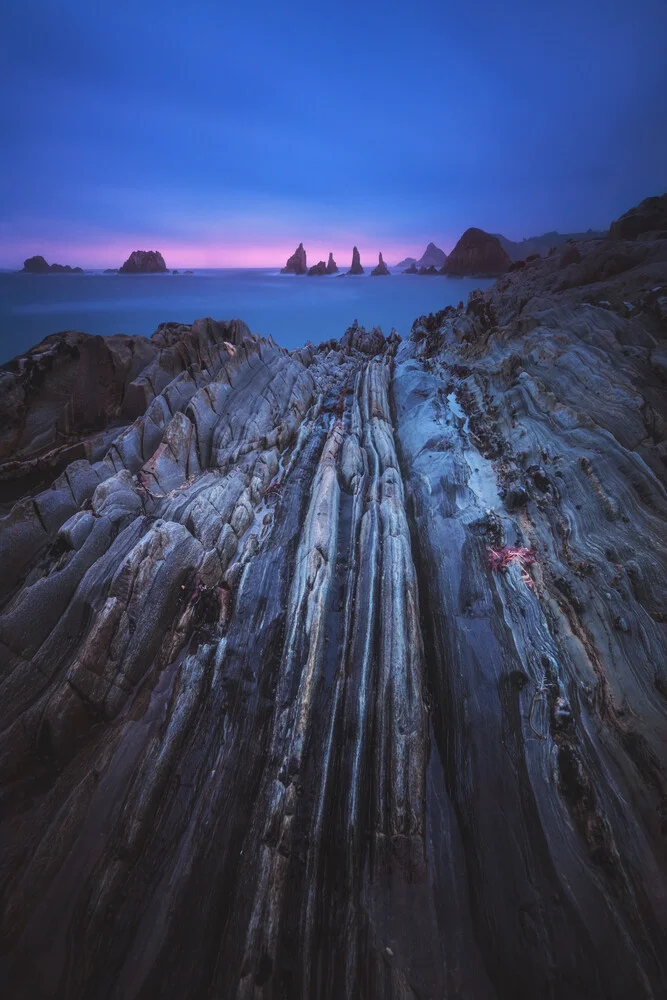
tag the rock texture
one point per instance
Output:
(356, 267)
(332, 267)
(477, 253)
(647, 217)
(343, 672)
(381, 268)
(37, 265)
(433, 256)
(296, 264)
(144, 262)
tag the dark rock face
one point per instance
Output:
(433, 256)
(381, 268)
(479, 253)
(332, 267)
(319, 268)
(343, 672)
(648, 216)
(296, 264)
(356, 267)
(37, 265)
(144, 262)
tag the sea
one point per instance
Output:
(290, 308)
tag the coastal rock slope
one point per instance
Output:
(477, 252)
(343, 672)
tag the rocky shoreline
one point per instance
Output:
(342, 672)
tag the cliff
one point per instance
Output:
(343, 671)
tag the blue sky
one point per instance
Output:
(227, 132)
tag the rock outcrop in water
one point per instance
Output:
(296, 264)
(477, 253)
(318, 269)
(433, 256)
(381, 268)
(144, 262)
(356, 267)
(332, 267)
(37, 265)
(343, 673)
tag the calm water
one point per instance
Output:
(291, 309)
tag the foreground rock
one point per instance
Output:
(649, 217)
(343, 672)
(296, 264)
(477, 253)
(356, 267)
(37, 265)
(144, 262)
(381, 268)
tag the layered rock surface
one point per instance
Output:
(343, 673)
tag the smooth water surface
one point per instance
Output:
(292, 309)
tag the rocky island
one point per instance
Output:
(477, 253)
(144, 262)
(355, 267)
(37, 265)
(381, 268)
(296, 264)
(342, 672)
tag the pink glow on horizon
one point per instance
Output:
(201, 255)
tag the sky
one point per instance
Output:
(224, 133)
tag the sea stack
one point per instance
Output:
(332, 266)
(433, 256)
(356, 263)
(37, 265)
(319, 268)
(144, 262)
(479, 253)
(381, 268)
(296, 264)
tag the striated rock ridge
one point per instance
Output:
(356, 267)
(332, 267)
(37, 265)
(296, 264)
(275, 665)
(381, 268)
(144, 262)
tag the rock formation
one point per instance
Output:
(319, 268)
(429, 270)
(477, 253)
(343, 672)
(650, 216)
(332, 267)
(433, 256)
(296, 264)
(412, 269)
(381, 267)
(406, 262)
(111, 270)
(37, 265)
(356, 267)
(144, 262)
(519, 250)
